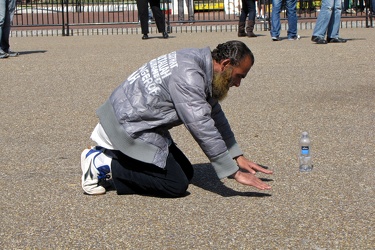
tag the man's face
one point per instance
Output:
(229, 76)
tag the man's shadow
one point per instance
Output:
(205, 177)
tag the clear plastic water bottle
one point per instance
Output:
(305, 161)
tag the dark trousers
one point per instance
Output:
(131, 176)
(248, 9)
(142, 6)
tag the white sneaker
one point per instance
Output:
(95, 167)
(294, 38)
(3, 54)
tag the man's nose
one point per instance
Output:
(237, 84)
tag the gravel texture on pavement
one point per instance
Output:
(50, 92)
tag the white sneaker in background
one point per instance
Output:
(294, 38)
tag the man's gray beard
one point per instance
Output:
(221, 84)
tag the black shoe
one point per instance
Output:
(336, 40)
(318, 40)
(276, 38)
(144, 37)
(165, 35)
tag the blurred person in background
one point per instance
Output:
(190, 8)
(7, 8)
(158, 15)
(347, 7)
(328, 23)
(292, 20)
(261, 10)
(247, 10)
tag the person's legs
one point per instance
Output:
(8, 21)
(323, 19)
(142, 6)
(4, 25)
(359, 5)
(251, 21)
(244, 11)
(131, 176)
(2, 21)
(251, 10)
(190, 8)
(345, 5)
(180, 4)
(275, 18)
(158, 15)
(182, 160)
(335, 21)
(334, 27)
(12, 9)
(242, 21)
(292, 18)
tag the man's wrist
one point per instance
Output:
(236, 157)
(234, 174)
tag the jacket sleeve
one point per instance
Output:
(190, 100)
(222, 124)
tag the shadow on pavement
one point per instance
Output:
(32, 52)
(205, 177)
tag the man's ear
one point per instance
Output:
(224, 63)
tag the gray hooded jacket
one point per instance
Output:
(168, 91)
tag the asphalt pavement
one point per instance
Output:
(50, 92)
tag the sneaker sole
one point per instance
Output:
(93, 191)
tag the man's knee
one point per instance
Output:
(177, 189)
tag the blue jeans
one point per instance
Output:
(292, 18)
(7, 8)
(329, 19)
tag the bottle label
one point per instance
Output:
(305, 150)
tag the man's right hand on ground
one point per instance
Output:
(250, 179)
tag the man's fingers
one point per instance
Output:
(262, 168)
(251, 180)
(263, 186)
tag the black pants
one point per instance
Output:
(131, 176)
(142, 6)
